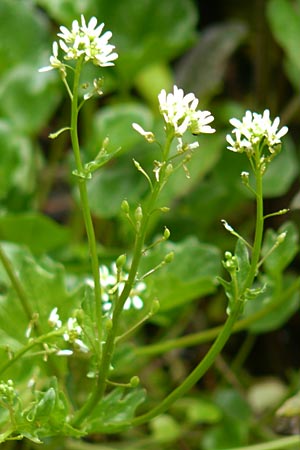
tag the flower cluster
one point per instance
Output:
(253, 130)
(7, 393)
(73, 332)
(83, 41)
(112, 283)
(181, 114)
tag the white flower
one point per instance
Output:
(54, 320)
(65, 352)
(255, 129)
(108, 278)
(199, 121)
(74, 330)
(148, 135)
(86, 40)
(80, 346)
(238, 145)
(179, 112)
(55, 63)
(135, 300)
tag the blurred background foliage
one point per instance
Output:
(234, 56)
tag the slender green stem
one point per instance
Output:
(197, 373)
(259, 226)
(85, 204)
(108, 349)
(17, 285)
(193, 377)
(291, 442)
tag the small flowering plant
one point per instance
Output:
(90, 333)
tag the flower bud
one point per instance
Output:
(134, 381)
(125, 206)
(138, 214)
(164, 209)
(169, 257)
(166, 233)
(121, 261)
(281, 237)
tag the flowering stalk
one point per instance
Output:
(83, 43)
(259, 138)
(81, 181)
(108, 349)
(259, 226)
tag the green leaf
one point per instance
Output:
(39, 233)
(234, 428)
(157, 31)
(199, 410)
(152, 79)
(242, 255)
(47, 416)
(16, 161)
(116, 407)
(192, 274)
(65, 11)
(44, 283)
(44, 407)
(23, 34)
(165, 429)
(279, 315)
(284, 19)
(281, 257)
(115, 122)
(28, 98)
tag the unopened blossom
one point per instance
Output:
(255, 129)
(180, 113)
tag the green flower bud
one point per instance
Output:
(166, 233)
(164, 209)
(125, 206)
(169, 257)
(134, 381)
(121, 261)
(138, 214)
